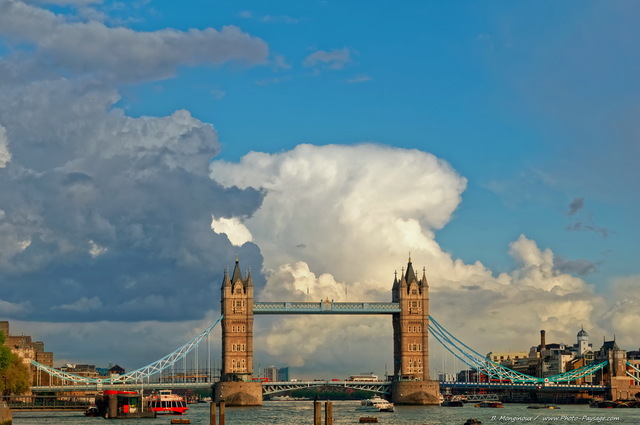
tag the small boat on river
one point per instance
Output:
(377, 403)
(165, 402)
(489, 404)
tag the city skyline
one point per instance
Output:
(144, 145)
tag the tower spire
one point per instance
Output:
(410, 276)
(225, 280)
(237, 273)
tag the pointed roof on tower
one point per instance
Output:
(249, 280)
(410, 275)
(225, 280)
(403, 281)
(237, 274)
(423, 280)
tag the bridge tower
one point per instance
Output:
(235, 386)
(412, 384)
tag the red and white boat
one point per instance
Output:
(165, 402)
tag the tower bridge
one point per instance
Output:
(409, 310)
(410, 382)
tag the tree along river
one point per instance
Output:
(345, 412)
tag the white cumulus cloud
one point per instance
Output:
(337, 221)
(237, 233)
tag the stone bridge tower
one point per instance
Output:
(412, 384)
(235, 385)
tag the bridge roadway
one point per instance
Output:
(533, 386)
(379, 387)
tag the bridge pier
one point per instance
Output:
(622, 389)
(415, 392)
(236, 393)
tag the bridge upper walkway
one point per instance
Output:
(324, 307)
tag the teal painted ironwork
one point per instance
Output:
(138, 374)
(634, 376)
(496, 370)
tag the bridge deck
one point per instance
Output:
(533, 386)
(325, 307)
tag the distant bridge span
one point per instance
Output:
(379, 387)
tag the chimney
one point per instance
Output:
(543, 344)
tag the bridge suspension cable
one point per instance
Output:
(633, 375)
(138, 374)
(495, 370)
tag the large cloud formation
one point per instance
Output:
(104, 218)
(337, 221)
(89, 189)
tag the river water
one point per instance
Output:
(345, 412)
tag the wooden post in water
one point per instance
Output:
(222, 412)
(212, 413)
(328, 413)
(113, 406)
(317, 413)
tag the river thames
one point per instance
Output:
(344, 412)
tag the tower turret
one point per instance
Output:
(411, 343)
(412, 384)
(237, 326)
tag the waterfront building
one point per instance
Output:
(621, 373)
(509, 359)
(470, 375)
(608, 351)
(446, 377)
(271, 373)
(548, 359)
(583, 355)
(115, 371)
(583, 346)
(579, 362)
(27, 350)
(555, 358)
(86, 370)
(283, 374)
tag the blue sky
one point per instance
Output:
(503, 135)
(515, 97)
